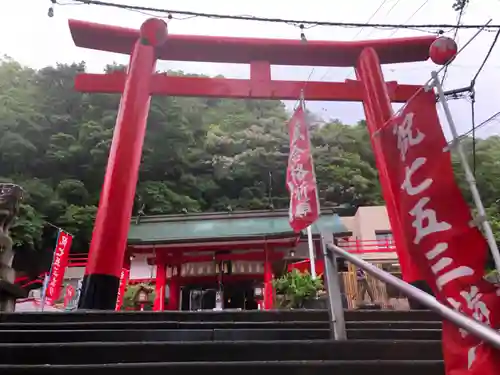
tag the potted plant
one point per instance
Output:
(298, 290)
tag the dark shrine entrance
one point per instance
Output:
(236, 295)
(151, 42)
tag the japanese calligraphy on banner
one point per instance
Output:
(124, 275)
(436, 219)
(300, 176)
(58, 268)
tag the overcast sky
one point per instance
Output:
(38, 41)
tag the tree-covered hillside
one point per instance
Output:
(199, 155)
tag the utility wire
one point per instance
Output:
(371, 18)
(473, 99)
(488, 54)
(386, 15)
(411, 17)
(482, 124)
(459, 21)
(359, 32)
(279, 20)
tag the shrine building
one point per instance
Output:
(228, 259)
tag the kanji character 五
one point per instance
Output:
(426, 222)
(409, 171)
(405, 136)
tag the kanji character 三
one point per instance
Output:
(425, 221)
(405, 137)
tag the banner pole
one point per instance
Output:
(312, 259)
(469, 176)
(44, 291)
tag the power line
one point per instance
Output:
(371, 18)
(486, 58)
(411, 17)
(359, 32)
(473, 99)
(279, 20)
(459, 21)
(386, 15)
(482, 124)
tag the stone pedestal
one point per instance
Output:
(10, 196)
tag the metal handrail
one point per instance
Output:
(472, 326)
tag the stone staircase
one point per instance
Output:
(222, 343)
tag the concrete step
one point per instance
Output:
(373, 367)
(135, 352)
(394, 325)
(394, 334)
(216, 316)
(141, 325)
(40, 336)
(107, 325)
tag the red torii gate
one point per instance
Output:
(151, 42)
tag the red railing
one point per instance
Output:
(352, 245)
(368, 246)
(77, 260)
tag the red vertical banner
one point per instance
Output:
(441, 238)
(58, 268)
(300, 176)
(124, 275)
(68, 295)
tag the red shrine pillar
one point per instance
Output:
(161, 281)
(268, 281)
(378, 110)
(174, 289)
(109, 239)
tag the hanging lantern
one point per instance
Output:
(154, 32)
(143, 296)
(443, 50)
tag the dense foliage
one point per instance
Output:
(459, 5)
(199, 155)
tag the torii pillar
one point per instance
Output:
(109, 239)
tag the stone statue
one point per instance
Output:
(10, 197)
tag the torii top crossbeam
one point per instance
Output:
(260, 54)
(246, 50)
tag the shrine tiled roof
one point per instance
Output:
(212, 226)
